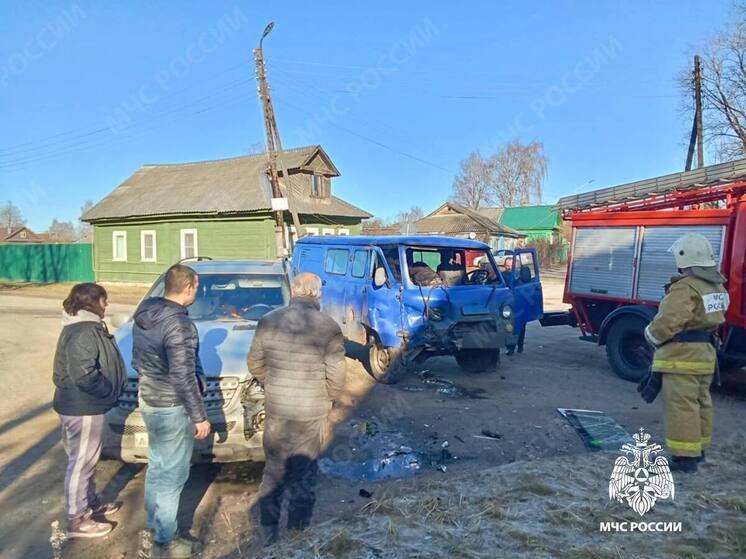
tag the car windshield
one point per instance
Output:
(235, 296)
(450, 266)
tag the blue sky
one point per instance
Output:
(396, 92)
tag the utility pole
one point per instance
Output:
(698, 110)
(697, 132)
(280, 203)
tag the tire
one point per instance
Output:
(478, 360)
(627, 350)
(385, 364)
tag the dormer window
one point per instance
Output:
(319, 186)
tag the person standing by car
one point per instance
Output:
(685, 359)
(298, 354)
(89, 376)
(165, 354)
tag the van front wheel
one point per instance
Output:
(478, 360)
(386, 364)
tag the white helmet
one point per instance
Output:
(691, 250)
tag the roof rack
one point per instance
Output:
(625, 194)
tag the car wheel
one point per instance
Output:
(478, 360)
(628, 352)
(385, 364)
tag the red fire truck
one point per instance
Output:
(620, 262)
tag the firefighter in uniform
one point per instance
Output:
(685, 359)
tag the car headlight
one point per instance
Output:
(507, 312)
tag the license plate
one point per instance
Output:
(141, 439)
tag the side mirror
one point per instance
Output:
(118, 319)
(379, 277)
(525, 274)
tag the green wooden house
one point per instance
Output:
(219, 209)
(536, 222)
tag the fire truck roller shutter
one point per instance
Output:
(602, 260)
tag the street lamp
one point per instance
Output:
(266, 32)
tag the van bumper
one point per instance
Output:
(126, 438)
(477, 333)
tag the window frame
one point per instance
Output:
(312, 231)
(366, 267)
(114, 256)
(144, 233)
(328, 231)
(182, 245)
(326, 261)
(317, 186)
(343, 231)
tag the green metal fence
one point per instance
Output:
(46, 263)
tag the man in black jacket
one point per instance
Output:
(165, 354)
(298, 353)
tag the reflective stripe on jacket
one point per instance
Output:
(692, 303)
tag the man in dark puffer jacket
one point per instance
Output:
(165, 346)
(298, 353)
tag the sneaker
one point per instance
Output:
(177, 548)
(684, 464)
(106, 509)
(87, 528)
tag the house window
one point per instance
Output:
(327, 231)
(317, 187)
(23, 234)
(312, 230)
(189, 246)
(336, 261)
(147, 246)
(343, 231)
(119, 246)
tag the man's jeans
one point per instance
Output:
(170, 444)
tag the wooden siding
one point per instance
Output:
(237, 238)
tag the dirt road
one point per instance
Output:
(517, 402)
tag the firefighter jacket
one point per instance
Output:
(692, 304)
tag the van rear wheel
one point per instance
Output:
(385, 364)
(478, 360)
(627, 350)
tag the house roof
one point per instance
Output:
(453, 218)
(222, 186)
(530, 218)
(14, 235)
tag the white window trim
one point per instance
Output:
(343, 231)
(114, 235)
(312, 230)
(327, 231)
(182, 234)
(142, 246)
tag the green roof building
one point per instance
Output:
(536, 222)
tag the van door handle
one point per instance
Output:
(323, 282)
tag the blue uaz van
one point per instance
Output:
(410, 298)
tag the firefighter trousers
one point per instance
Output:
(688, 413)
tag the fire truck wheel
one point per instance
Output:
(626, 349)
(477, 360)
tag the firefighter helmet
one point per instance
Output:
(691, 250)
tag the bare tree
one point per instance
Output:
(473, 186)
(518, 173)
(84, 229)
(11, 217)
(407, 219)
(724, 89)
(62, 232)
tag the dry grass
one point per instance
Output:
(123, 293)
(538, 509)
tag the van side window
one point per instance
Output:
(359, 263)
(336, 261)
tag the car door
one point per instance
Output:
(384, 313)
(526, 285)
(356, 295)
(336, 264)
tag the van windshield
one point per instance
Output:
(234, 296)
(449, 266)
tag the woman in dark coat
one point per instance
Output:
(89, 376)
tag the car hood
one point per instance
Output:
(223, 347)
